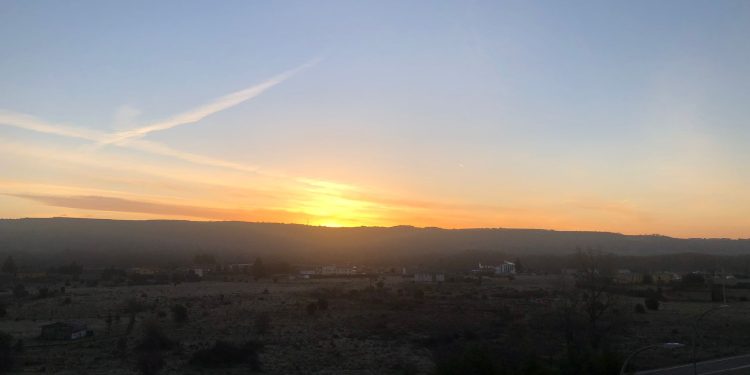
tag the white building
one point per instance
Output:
(507, 268)
(336, 270)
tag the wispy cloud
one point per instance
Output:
(28, 122)
(114, 204)
(218, 105)
(130, 139)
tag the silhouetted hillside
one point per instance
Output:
(104, 242)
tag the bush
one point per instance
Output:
(225, 354)
(153, 338)
(150, 363)
(419, 294)
(640, 309)
(262, 323)
(312, 308)
(3, 310)
(179, 313)
(322, 304)
(652, 303)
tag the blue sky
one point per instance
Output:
(623, 116)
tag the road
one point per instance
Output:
(725, 366)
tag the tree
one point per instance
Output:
(259, 270)
(651, 303)
(648, 279)
(584, 307)
(519, 266)
(9, 266)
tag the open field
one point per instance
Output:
(368, 327)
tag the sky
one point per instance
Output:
(627, 116)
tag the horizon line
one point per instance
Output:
(383, 227)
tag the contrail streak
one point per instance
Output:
(129, 139)
(27, 122)
(206, 110)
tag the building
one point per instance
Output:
(505, 269)
(339, 271)
(425, 277)
(64, 331)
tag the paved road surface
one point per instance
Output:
(724, 366)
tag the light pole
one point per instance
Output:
(695, 334)
(666, 345)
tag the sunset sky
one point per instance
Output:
(624, 116)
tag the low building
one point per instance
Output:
(337, 270)
(64, 331)
(143, 271)
(504, 269)
(426, 277)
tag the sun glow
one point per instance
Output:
(329, 204)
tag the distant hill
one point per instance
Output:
(104, 242)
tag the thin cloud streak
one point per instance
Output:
(28, 122)
(113, 204)
(204, 111)
(129, 138)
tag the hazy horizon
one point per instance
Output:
(619, 117)
(374, 226)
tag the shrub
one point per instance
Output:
(640, 309)
(150, 363)
(179, 313)
(225, 354)
(652, 303)
(3, 310)
(419, 294)
(311, 308)
(153, 338)
(262, 323)
(322, 304)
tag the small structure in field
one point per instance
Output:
(504, 269)
(426, 277)
(64, 331)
